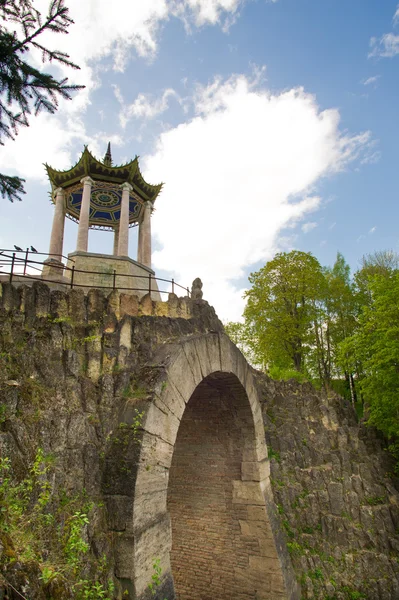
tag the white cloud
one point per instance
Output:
(205, 11)
(306, 227)
(98, 32)
(386, 47)
(50, 139)
(371, 80)
(372, 230)
(236, 174)
(144, 106)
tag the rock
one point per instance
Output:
(196, 289)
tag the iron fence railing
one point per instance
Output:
(18, 266)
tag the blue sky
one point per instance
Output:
(273, 125)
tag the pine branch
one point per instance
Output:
(57, 10)
(11, 187)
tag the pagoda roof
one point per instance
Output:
(88, 165)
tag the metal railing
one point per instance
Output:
(18, 266)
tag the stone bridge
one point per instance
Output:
(198, 496)
(171, 436)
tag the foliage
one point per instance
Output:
(281, 307)
(49, 528)
(306, 322)
(156, 576)
(375, 348)
(24, 88)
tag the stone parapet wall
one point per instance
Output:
(40, 300)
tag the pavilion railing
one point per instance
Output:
(18, 266)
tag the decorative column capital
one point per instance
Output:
(87, 180)
(126, 186)
(59, 191)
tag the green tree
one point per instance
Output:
(375, 346)
(341, 310)
(383, 263)
(23, 87)
(282, 306)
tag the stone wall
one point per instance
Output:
(76, 370)
(97, 271)
(336, 494)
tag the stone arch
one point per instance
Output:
(179, 374)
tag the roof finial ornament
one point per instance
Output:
(108, 158)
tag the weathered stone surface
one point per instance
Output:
(331, 481)
(106, 393)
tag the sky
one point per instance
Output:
(273, 125)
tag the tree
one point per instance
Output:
(23, 87)
(375, 345)
(282, 307)
(341, 310)
(383, 263)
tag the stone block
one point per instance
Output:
(95, 306)
(183, 309)
(125, 334)
(149, 507)
(129, 305)
(163, 425)
(247, 492)
(119, 512)
(213, 348)
(180, 375)
(155, 541)
(161, 309)
(113, 300)
(9, 297)
(59, 305)
(250, 471)
(173, 303)
(155, 450)
(336, 496)
(146, 306)
(171, 399)
(77, 306)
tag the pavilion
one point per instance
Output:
(98, 195)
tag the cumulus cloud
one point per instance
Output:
(97, 33)
(236, 174)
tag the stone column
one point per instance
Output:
(145, 236)
(140, 238)
(83, 230)
(116, 240)
(57, 231)
(123, 244)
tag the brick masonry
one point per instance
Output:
(217, 552)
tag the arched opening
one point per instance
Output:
(222, 545)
